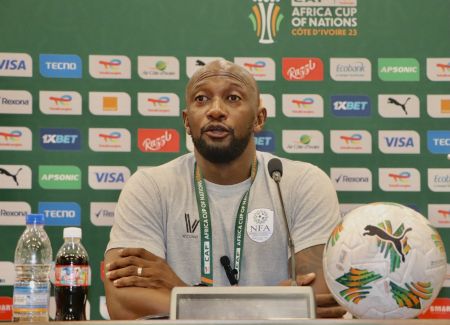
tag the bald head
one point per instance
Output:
(226, 69)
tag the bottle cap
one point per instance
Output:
(72, 232)
(35, 218)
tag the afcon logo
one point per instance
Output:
(266, 19)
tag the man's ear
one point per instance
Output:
(186, 122)
(260, 119)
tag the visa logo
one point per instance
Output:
(12, 65)
(106, 177)
(399, 142)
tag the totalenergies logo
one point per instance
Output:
(402, 177)
(444, 213)
(12, 136)
(161, 101)
(266, 18)
(353, 139)
(303, 103)
(113, 64)
(444, 67)
(61, 101)
(111, 137)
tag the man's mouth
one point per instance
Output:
(216, 131)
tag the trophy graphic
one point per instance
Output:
(266, 19)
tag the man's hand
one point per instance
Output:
(326, 305)
(136, 267)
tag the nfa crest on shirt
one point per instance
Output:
(260, 225)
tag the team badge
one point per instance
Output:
(260, 225)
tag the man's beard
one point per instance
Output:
(220, 154)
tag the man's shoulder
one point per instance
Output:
(289, 165)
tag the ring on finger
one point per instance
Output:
(139, 271)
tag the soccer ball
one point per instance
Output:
(384, 260)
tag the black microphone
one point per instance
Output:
(231, 273)
(275, 168)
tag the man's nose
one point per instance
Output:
(217, 110)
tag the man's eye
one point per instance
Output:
(234, 98)
(201, 98)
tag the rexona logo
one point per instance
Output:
(102, 213)
(399, 179)
(438, 106)
(13, 213)
(351, 141)
(16, 65)
(438, 69)
(108, 177)
(193, 63)
(350, 69)
(15, 138)
(439, 215)
(60, 102)
(109, 67)
(398, 69)
(15, 177)
(15, 102)
(302, 141)
(351, 179)
(102, 139)
(60, 213)
(158, 104)
(302, 69)
(158, 140)
(266, 18)
(399, 106)
(60, 66)
(59, 177)
(399, 142)
(268, 101)
(439, 179)
(438, 142)
(265, 141)
(259, 68)
(350, 106)
(109, 103)
(60, 139)
(302, 105)
(159, 67)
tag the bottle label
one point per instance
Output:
(72, 275)
(31, 299)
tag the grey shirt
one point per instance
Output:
(157, 210)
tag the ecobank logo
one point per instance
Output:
(102, 213)
(109, 140)
(399, 179)
(15, 102)
(351, 179)
(60, 139)
(60, 213)
(350, 106)
(259, 68)
(109, 67)
(59, 177)
(15, 177)
(159, 67)
(350, 69)
(108, 177)
(439, 215)
(302, 141)
(16, 65)
(13, 213)
(266, 18)
(15, 138)
(398, 69)
(60, 102)
(110, 103)
(302, 105)
(439, 179)
(265, 141)
(60, 66)
(158, 104)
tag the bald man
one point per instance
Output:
(174, 222)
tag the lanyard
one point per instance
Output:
(206, 249)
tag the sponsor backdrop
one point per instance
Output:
(92, 91)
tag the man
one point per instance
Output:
(221, 199)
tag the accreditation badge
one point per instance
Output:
(260, 225)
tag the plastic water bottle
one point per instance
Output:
(32, 260)
(71, 277)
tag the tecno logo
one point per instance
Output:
(351, 179)
(61, 213)
(60, 66)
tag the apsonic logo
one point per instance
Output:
(109, 140)
(60, 102)
(60, 139)
(16, 65)
(60, 213)
(266, 18)
(13, 213)
(15, 177)
(399, 179)
(302, 105)
(438, 142)
(60, 66)
(399, 142)
(15, 102)
(108, 177)
(158, 140)
(59, 177)
(259, 68)
(398, 69)
(15, 138)
(110, 103)
(102, 213)
(265, 141)
(350, 106)
(158, 104)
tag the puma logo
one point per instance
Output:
(383, 235)
(395, 102)
(13, 176)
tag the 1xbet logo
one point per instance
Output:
(60, 139)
